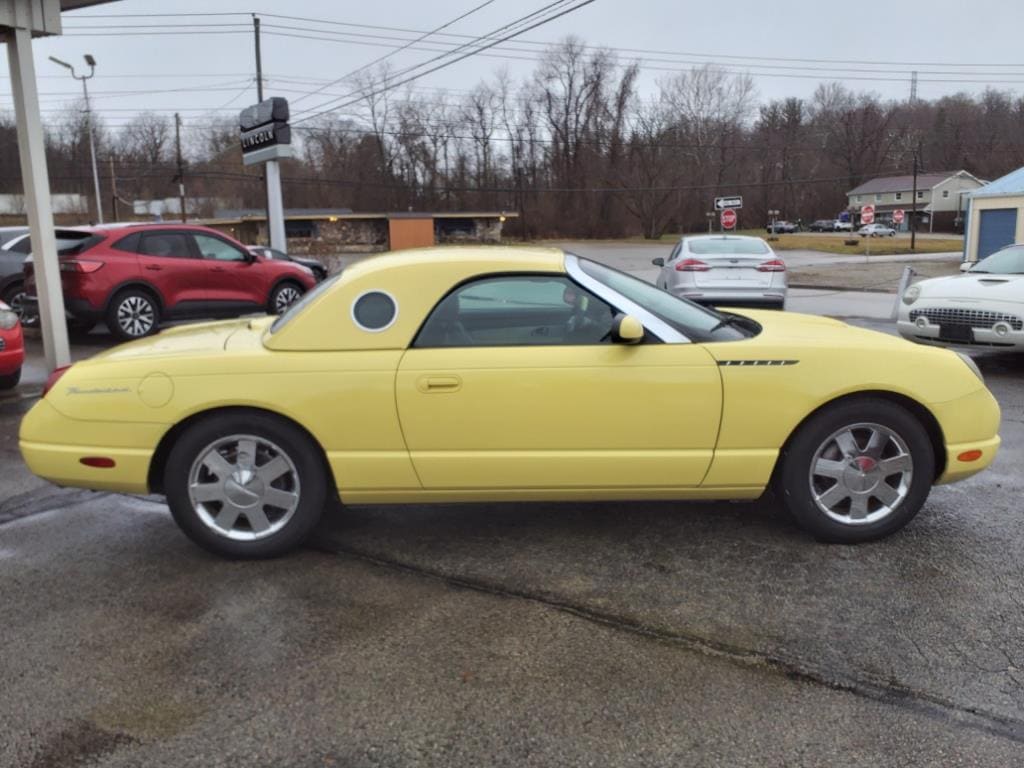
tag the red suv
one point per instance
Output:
(134, 276)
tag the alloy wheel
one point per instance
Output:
(244, 487)
(136, 316)
(861, 473)
(285, 297)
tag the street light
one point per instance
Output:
(88, 122)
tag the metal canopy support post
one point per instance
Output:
(275, 208)
(36, 183)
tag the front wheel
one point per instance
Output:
(10, 380)
(245, 485)
(857, 471)
(283, 296)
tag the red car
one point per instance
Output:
(134, 277)
(12, 348)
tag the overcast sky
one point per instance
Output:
(800, 42)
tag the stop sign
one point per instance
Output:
(867, 214)
(728, 218)
(897, 215)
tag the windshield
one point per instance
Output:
(1009, 261)
(714, 245)
(695, 322)
(307, 298)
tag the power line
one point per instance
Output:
(386, 56)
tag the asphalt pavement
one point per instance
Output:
(625, 634)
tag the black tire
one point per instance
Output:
(80, 326)
(793, 483)
(13, 297)
(283, 296)
(310, 486)
(133, 314)
(10, 381)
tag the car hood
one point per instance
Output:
(974, 287)
(782, 331)
(187, 340)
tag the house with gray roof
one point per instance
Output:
(941, 198)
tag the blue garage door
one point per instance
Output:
(998, 229)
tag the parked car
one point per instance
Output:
(876, 230)
(511, 374)
(729, 270)
(822, 225)
(782, 227)
(12, 348)
(982, 307)
(842, 226)
(135, 277)
(9, 233)
(319, 270)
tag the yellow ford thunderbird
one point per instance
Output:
(492, 374)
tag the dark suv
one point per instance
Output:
(133, 277)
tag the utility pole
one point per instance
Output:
(88, 124)
(180, 178)
(275, 170)
(113, 190)
(913, 201)
(913, 87)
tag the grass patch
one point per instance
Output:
(833, 243)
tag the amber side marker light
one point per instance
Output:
(100, 462)
(969, 456)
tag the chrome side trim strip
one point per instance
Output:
(651, 322)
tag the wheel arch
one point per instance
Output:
(155, 478)
(282, 280)
(916, 409)
(142, 285)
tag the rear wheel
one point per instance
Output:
(857, 471)
(133, 314)
(14, 297)
(246, 484)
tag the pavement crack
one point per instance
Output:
(884, 690)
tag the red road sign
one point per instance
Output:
(897, 215)
(728, 218)
(867, 214)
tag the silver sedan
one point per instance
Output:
(728, 270)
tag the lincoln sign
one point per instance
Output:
(266, 134)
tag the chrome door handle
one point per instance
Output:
(436, 384)
(154, 267)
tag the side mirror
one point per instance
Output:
(966, 266)
(658, 262)
(626, 329)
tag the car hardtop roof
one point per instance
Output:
(139, 226)
(497, 258)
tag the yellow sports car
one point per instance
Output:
(500, 374)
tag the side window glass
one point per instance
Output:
(129, 243)
(675, 252)
(528, 310)
(172, 245)
(214, 248)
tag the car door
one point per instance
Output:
(233, 278)
(169, 262)
(513, 383)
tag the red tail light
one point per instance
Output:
(691, 265)
(775, 265)
(53, 378)
(79, 265)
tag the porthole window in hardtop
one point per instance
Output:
(518, 310)
(374, 311)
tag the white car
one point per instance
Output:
(842, 226)
(876, 230)
(982, 307)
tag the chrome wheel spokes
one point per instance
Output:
(136, 316)
(244, 487)
(861, 474)
(285, 298)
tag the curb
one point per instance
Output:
(841, 288)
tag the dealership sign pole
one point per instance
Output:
(266, 138)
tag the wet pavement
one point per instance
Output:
(645, 634)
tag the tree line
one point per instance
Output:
(575, 147)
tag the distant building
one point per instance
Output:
(941, 199)
(995, 216)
